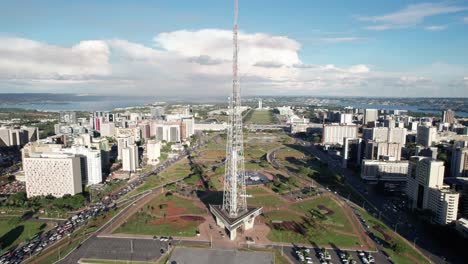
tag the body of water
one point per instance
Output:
(109, 105)
(398, 107)
(104, 105)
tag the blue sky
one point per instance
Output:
(416, 47)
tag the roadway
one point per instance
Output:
(400, 220)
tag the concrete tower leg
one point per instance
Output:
(219, 222)
(233, 234)
(249, 224)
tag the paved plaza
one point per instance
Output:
(225, 256)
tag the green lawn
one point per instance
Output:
(155, 218)
(317, 235)
(297, 229)
(180, 203)
(14, 231)
(264, 200)
(404, 247)
(282, 215)
(256, 190)
(179, 170)
(261, 117)
(337, 220)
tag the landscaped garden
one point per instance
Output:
(167, 215)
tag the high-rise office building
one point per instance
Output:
(11, 137)
(91, 163)
(374, 170)
(370, 115)
(56, 174)
(351, 151)
(459, 164)
(426, 190)
(335, 134)
(448, 116)
(426, 135)
(123, 142)
(130, 159)
(346, 119)
(153, 151)
(382, 151)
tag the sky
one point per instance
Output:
(179, 47)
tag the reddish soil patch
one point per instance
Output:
(324, 208)
(170, 210)
(192, 218)
(290, 226)
(179, 221)
(385, 235)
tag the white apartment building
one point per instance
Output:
(373, 170)
(153, 152)
(107, 129)
(346, 119)
(169, 132)
(382, 150)
(426, 190)
(130, 159)
(444, 204)
(459, 166)
(92, 161)
(134, 132)
(385, 134)
(10, 137)
(52, 173)
(335, 134)
(426, 135)
(370, 115)
(123, 142)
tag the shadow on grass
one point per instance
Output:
(7, 239)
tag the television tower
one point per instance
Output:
(233, 213)
(234, 195)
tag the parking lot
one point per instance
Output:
(329, 256)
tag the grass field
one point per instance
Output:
(337, 220)
(261, 117)
(282, 215)
(13, 232)
(179, 170)
(161, 217)
(256, 190)
(314, 234)
(322, 224)
(265, 200)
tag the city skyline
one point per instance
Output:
(410, 48)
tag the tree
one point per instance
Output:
(17, 199)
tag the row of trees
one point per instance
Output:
(67, 202)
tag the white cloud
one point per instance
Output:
(24, 58)
(435, 28)
(199, 63)
(465, 20)
(411, 15)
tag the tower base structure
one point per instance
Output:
(245, 220)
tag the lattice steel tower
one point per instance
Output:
(234, 196)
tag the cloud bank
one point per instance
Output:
(199, 62)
